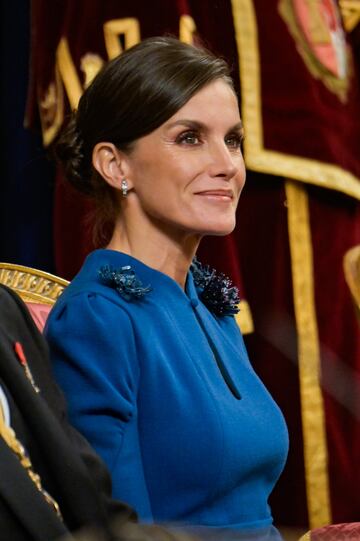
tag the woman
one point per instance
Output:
(144, 342)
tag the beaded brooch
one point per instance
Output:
(124, 281)
(215, 290)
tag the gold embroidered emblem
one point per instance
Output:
(350, 11)
(316, 27)
(51, 108)
(90, 64)
(120, 34)
(187, 29)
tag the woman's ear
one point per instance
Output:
(108, 162)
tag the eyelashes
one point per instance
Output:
(189, 137)
(235, 141)
(192, 138)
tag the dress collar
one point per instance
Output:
(133, 280)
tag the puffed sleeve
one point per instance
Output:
(93, 350)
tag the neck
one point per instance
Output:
(169, 253)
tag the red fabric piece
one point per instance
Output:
(39, 312)
(337, 532)
(20, 353)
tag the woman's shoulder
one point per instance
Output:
(91, 319)
(90, 295)
(85, 296)
(99, 277)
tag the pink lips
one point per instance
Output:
(220, 195)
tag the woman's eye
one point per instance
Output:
(234, 141)
(188, 138)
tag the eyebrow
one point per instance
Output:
(194, 124)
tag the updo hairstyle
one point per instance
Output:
(130, 97)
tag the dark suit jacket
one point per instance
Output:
(70, 471)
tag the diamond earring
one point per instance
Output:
(124, 187)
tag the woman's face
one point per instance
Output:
(187, 175)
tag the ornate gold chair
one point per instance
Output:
(38, 289)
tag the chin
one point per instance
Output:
(219, 233)
(220, 230)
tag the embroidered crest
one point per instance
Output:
(316, 27)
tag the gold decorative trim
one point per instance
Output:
(308, 171)
(68, 73)
(31, 284)
(7, 433)
(306, 537)
(128, 27)
(312, 407)
(335, 84)
(350, 11)
(256, 156)
(351, 263)
(244, 318)
(54, 98)
(187, 28)
(90, 65)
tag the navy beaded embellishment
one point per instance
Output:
(124, 281)
(215, 290)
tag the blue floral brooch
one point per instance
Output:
(215, 290)
(124, 281)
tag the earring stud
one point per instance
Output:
(124, 187)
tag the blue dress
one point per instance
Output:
(164, 391)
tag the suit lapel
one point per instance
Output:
(67, 469)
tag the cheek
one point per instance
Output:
(241, 177)
(161, 178)
(145, 179)
(180, 170)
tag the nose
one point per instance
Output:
(224, 163)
